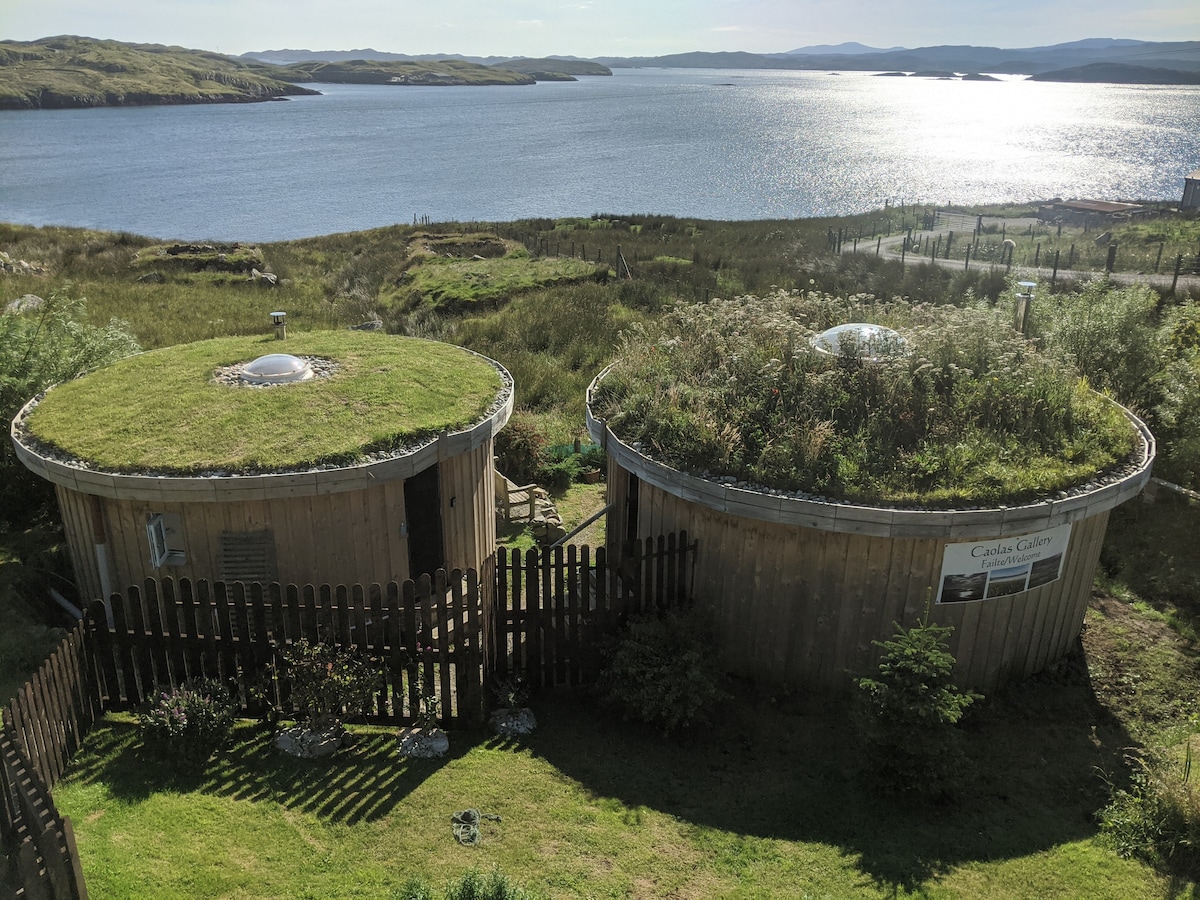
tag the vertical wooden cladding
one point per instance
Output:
(802, 606)
(348, 537)
(468, 497)
(79, 512)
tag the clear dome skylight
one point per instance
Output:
(277, 368)
(870, 342)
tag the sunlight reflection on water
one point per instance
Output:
(703, 143)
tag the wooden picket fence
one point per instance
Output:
(541, 613)
(424, 635)
(43, 727)
(552, 608)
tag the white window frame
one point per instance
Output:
(163, 530)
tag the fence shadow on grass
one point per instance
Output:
(767, 771)
(362, 782)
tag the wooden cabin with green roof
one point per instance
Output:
(327, 458)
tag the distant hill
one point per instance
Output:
(849, 48)
(68, 71)
(1181, 56)
(542, 69)
(1117, 73)
(289, 57)
(448, 72)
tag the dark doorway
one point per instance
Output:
(631, 509)
(423, 507)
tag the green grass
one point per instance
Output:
(969, 414)
(578, 503)
(457, 284)
(162, 411)
(768, 807)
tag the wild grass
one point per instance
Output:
(969, 414)
(455, 285)
(163, 411)
(1150, 245)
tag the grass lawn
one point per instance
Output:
(163, 411)
(576, 504)
(766, 805)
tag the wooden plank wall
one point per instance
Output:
(468, 496)
(76, 511)
(343, 538)
(801, 606)
(335, 538)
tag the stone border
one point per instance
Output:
(783, 508)
(222, 488)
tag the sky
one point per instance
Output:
(592, 28)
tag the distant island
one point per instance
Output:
(69, 71)
(1118, 73)
(72, 72)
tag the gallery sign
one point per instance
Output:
(1002, 566)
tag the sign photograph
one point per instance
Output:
(1002, 566)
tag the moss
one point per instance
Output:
(163, 411)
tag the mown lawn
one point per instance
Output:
(766, 804)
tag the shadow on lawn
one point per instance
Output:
(774, 772)
(364, 781)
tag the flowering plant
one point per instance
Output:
(191, 720)
(328, 682)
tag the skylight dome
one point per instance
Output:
(862, 339)
(277, 368)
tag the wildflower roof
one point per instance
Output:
(972, 413)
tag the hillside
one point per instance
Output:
(362, 71)
(1118, 73)
(553, 66)
(1183, 56)
(71, 72)
(68, 72)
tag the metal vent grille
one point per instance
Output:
(248, 556)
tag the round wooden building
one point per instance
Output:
(328, 458)
(801, 585)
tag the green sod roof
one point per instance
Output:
(165, 412)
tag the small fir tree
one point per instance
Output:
(911, 712)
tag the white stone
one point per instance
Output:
(305, 744)
(424, 744)
(507, 722)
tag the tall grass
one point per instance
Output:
(971, 413)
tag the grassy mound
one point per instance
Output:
(972, 414)
(163, 411)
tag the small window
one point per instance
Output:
(165, 531)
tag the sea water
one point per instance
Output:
(715, 144)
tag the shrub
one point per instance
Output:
(190, 721)
(662, 670)
(557, 475)
(47, 344)
(328, 682)
(911, 710)
(511, 692)
(521, 448)
(592, 456)
(1157, 818)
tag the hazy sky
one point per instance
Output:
(592, 28)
